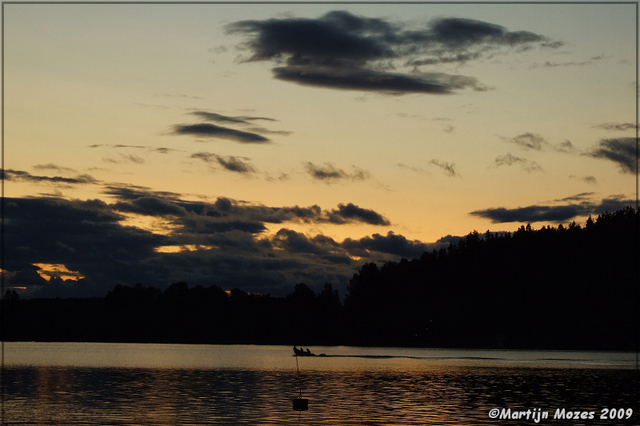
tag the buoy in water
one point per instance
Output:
(300, 404)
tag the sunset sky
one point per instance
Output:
(261, 146)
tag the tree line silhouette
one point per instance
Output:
(564, 287)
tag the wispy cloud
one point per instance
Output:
(230, 163)
(178, 95)
(51, 166)
(219, 118)
(448, 168)
(588, 179)
(412, 168)
(533, 141)
(160, 150)
(549, 64)
(529, 141)
(618, 127)
(329, 173)
(132, 158)
(22, 176)
(510, 160)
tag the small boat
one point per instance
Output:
(302, 352)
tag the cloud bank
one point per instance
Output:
(222, 242)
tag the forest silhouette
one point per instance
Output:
(564, 287)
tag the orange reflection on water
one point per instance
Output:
(54, 388)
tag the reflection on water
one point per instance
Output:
(368, 391)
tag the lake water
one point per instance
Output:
(155, 384)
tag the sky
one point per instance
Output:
(259, 146)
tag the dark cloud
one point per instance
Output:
(530, 214)
(620, 127)
(509, 160)
(243, 120)
(390, 244)
(352, 213)
(372, 247)
(329, 173)
(150, 206)
(231, 163)
(580, 206)
(235, 164)
(370, 80)
(338, 37)
(133, 192)
(140, 200)
(22, 176)
(460, 32)
(621, 151)
(340, 50)
(448, 168)
(445, 241)
(296, 242)
(213, 131)
(192, 218)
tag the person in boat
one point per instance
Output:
(308, 351)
